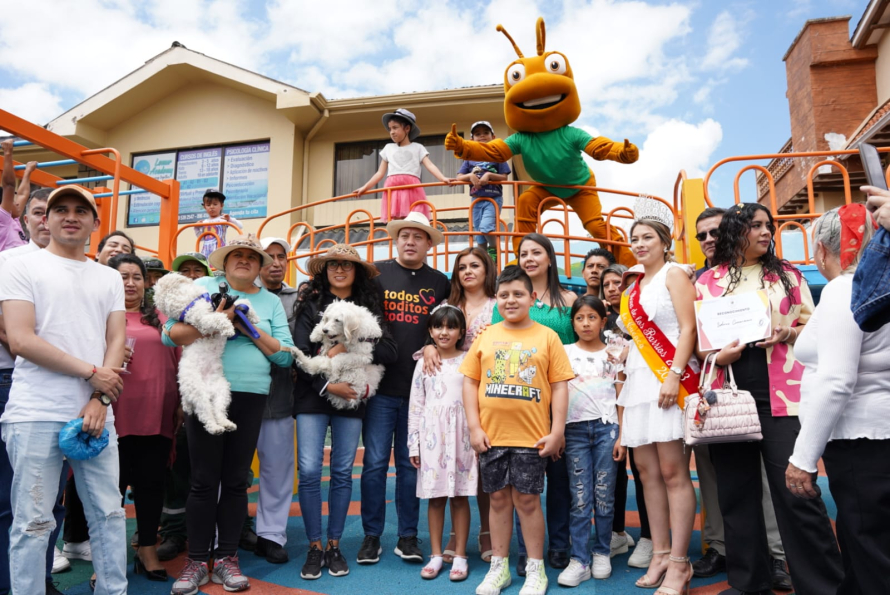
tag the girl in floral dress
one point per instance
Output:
(439, 441)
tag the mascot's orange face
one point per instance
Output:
(540, 91)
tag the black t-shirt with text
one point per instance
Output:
(409, 295)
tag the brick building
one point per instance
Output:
(838, 97)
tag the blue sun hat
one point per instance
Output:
(79, 445)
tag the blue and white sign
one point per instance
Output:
(145, 209)
(240, 171)
(246, 180)
(197, 171)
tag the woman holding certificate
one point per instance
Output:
(745, 261)
(845, 407)
(657, 311)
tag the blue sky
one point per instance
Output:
(690, 82)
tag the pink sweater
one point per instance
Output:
(151, 395)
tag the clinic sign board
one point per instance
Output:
(240, 171)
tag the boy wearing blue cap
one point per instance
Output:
(480, 174)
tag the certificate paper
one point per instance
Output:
(721, 321)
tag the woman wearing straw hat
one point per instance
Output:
(338, 274)
(217, 501)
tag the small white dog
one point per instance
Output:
(357, 329)
(202, 383)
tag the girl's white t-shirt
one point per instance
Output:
(72, 301)
(403, 160)
(591, 392)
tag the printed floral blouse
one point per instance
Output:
(785, 372)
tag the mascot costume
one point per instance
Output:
(541, 101)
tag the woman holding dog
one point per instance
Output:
(339, 274)
(217, 501)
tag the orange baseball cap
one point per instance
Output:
(72, 190)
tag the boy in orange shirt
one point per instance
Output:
(515, 397)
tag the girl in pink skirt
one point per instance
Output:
(400, 162)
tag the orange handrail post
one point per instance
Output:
(116, 184)
(169, 221)
(103, 230)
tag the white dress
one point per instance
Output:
(644, 421)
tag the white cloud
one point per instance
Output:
(724, 39)
(32, 101)
(87, 47)
(634, 61)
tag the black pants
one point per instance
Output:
(75, 529)
(621, 497)
(143, 462)
(809, 541)
(176, 491)
(859, 477)
(217, 502)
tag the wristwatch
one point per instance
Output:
(677, 370)
(102, 397)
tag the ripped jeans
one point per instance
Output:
(592, 478)
(36, 460)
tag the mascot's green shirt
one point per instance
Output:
(553, 157)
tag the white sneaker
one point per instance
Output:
(535, 578)
(78, 551)
(498, 577)
(620, 544)
(602, 566)
(60, 562)
(574, 574)
(642, 554)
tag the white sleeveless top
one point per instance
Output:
(642, 386)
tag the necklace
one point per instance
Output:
(539, 303)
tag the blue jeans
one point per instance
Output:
(588, 455)
(33, 449)
(485, 217)
(311, 430)
(385, 419)
(557, 509)
(6, 505)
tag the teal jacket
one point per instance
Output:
(244, 365)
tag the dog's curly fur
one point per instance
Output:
(357, 329)
(202, 383)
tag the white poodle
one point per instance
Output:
(202, 384)
(357, 329)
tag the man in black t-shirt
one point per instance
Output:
(410, 290)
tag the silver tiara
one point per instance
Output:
(445, 305)
(646, 207)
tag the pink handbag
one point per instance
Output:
(723, 415)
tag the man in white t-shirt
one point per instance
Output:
(66, 325)
(33, 218)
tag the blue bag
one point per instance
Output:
(79, 445)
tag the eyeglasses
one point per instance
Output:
(701, 237)
(346, 265)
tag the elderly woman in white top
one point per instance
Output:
(845, 407)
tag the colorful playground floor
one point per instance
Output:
(391, 576)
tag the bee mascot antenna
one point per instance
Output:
(540, 104)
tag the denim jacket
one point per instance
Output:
(871, 284)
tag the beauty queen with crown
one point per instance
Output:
(657, 311)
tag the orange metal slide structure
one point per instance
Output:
(690, 197)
